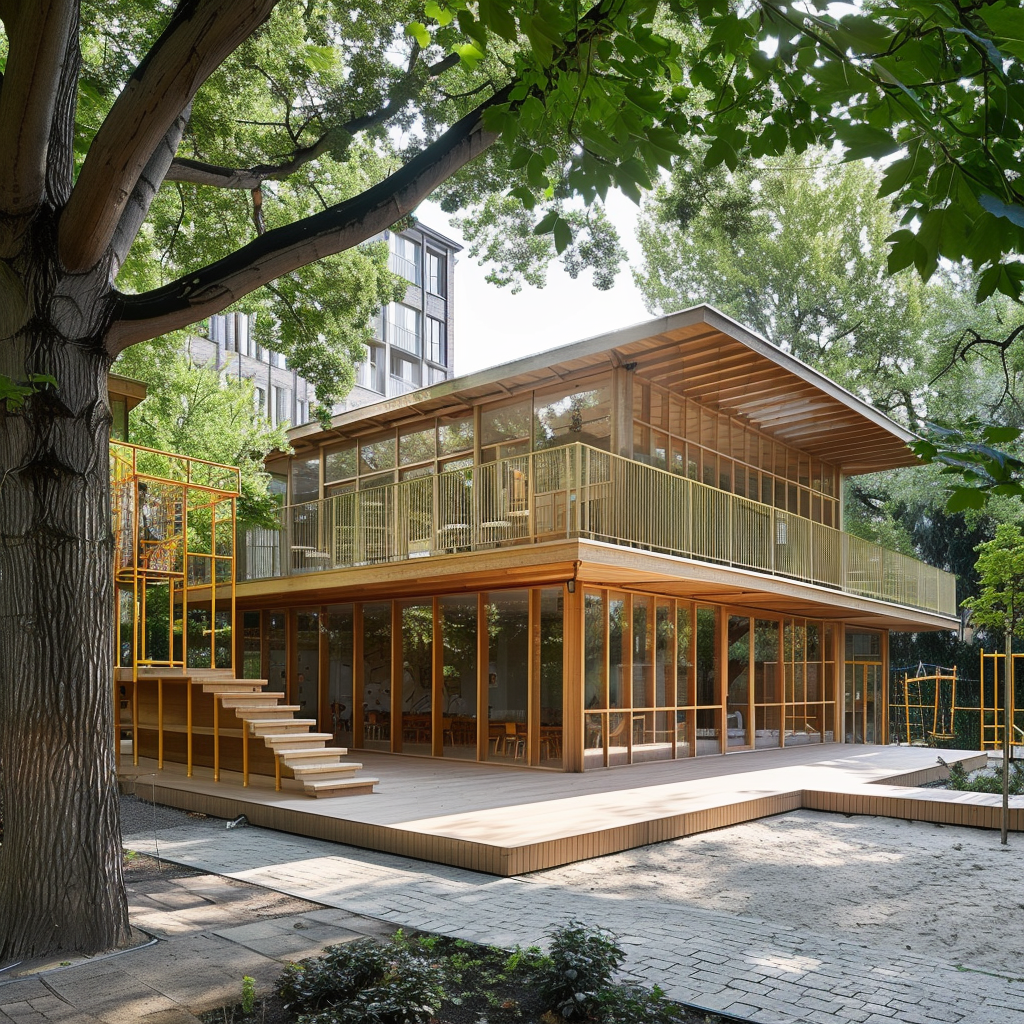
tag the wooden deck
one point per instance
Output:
(503, 820)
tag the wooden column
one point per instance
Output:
(483, 655)
(533, 682)
(325, 720)
(885, 688)
(291, 636)
(722, 676)
(437, 685)
(572, 681)
(397, 677)
(358, 721)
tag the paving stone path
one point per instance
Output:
(740, 965)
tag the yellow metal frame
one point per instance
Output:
(154, 494)
(915, 705)
(992, 717)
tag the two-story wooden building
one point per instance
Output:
(625, 549)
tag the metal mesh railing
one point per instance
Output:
(578, 491)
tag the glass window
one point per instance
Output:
(377, 675)
(282, 405)
(595, 618)
(737, 719)
(508, 675)
(435, 273)
(459, 706)
(581, 416)
(404, 328)
(407, 371)
(340, 462)
(417, 676)
(276, 670)
(664, 655)
(707, 673)
(643, 652)
(415, 444)
(405, 258)
(377, 455)
(506, 423)
(551, 618)
(339, 672)
(455, 435)
(618, 651)
(305, 480)
(436, 348)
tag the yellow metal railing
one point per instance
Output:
(578, 491)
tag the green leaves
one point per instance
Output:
(553, 223)
(14, 394)
(968, 454)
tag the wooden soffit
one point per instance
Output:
(699, 353)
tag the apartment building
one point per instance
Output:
(412, 347)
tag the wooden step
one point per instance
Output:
(307, 753)
(343, 769)
(261, 714)
(257, 698)
(339, 787)
(276, 726)
(316, 740)
(235, 686)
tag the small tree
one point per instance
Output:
(1000, 606)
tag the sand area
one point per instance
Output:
(948, 893)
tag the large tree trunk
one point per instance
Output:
(60, 862)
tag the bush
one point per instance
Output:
(583, 960)
(363, 983)
(987, 780)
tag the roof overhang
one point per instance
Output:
(699, 353)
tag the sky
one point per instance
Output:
(494, 326)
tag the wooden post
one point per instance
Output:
(533, 681)
(397, 677)
(323, 694)
(358, 724)
(572, 681)
(437, 683)
(483, 654)
(188, 715)
(160, 724)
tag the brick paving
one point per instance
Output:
(738, 964)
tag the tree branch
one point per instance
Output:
(145, 189)
(39, 35)
(198, 172)
(209, 290)
(200, 35)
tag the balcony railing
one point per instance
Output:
(580, 492)
(407, 268)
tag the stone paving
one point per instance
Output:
(741, 965)
(210, 931)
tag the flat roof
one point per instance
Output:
(700, 353)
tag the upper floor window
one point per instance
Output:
(282, 405)
(369, 373)
(405, 258)
(405, 328)
(435, 273)
(437, 350)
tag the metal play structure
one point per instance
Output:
(923, 706)
(174, 532)
(992, 702)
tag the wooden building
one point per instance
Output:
(626, 549)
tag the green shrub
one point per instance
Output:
(988, 780)
(363, 983)
(582, 962)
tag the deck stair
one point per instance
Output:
(298, 749)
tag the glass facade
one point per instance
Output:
(697, 675)
(483, 676)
